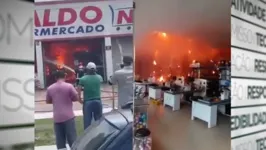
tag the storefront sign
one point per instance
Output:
(248, 39)
(83, 19)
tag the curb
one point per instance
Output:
(49, 115)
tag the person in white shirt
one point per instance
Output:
(124, 79)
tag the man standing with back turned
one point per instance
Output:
(61, 95)
(92, 104)
(124, 79)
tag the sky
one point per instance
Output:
(207, 20)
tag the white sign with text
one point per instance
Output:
(83, 19)
(16, 30)
(248, 64)
(246, 35)
(247, 92)
(17, 98)
(238, 10)
(248, 39)
(248, 120)
(249, 142)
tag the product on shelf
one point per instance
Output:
(140, 120)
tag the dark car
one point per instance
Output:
(112, 132)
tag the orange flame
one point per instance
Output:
(60, 62)
(154, 63)
(164, 34)
(161, 79)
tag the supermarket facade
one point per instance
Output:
(71, 33)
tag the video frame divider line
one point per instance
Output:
(262, 1)
(17, 126)
(15, 61)
(31, 1)
(248, 50)
(244, 20)
(248, 106)
(243, 135)
(248, 78)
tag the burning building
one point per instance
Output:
(164, 55)
(70, 34)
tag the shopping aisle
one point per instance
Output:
(175, 131)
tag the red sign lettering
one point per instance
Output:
(73, 16)
(87, 20)
(123, 15)
(61, 16)
(36, 20)
(46, 19)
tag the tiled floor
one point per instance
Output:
(175, 131)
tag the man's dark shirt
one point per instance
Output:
(80, 72)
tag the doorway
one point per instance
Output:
(67, 55)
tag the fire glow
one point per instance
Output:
(159, 57)
(161, 79)
(154, 63)
(164, 35)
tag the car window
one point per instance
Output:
(95, 136)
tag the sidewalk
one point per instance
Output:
(42, 107)
(48, 115)
(106, 92)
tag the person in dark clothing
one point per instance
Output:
(80, 72)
